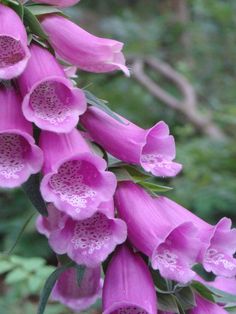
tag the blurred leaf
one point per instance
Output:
(16, 275)
(80, 269)
(167, 302)
(99, 103)
(223, 297)
(186, 298)
(5, 266)
(32, 190)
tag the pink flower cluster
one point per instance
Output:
(89, 213)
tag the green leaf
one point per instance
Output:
(32, 22)
(49, 286)
(99, 103)
(186, 298)
(31, 188)
(80, 273)
(222, 296)
(38, 9)
(17, 7)
(33, 263)
(20, 233)
(154, 188)
(16, 275)
(167, 302)
(202, 290)
(5, 266)
(122, 174)
(230, 309)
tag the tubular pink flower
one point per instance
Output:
(19, 156)
(80, 48)
(14, 53)
(50, 100)
(58, 3)
(153, 149)
(75, 180)
(173, 248)
(128, 286)
(78, 298)
(204, 306)
(87, 242)
(218, 242)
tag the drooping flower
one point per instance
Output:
(128, 286)
(14, 53)
(50, 100)
(78, 298)
(87, 241)
(204, 306)
(173, 248)
(74, 179)
(215, 255)
(58, 3)
(19, 156)
(153, 149)
(78, 47)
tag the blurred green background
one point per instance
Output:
(197, 40)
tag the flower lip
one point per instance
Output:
(62, 104)
(126, 308)
(12, 65)
(26, 159)
(74, 193)
(175, 255)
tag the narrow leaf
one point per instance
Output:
(17, 7)
(167, 302)
(38, 9)
(155, 188)
(186, 298)
(96, 102)
(32, 22)
(223, 296)
(31, 188)
(47, 289)
(202, 290)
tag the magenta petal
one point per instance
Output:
(153, 149)
(82, 49)
(14, 53)
(19, 156)
(128, 286)
(78, 298)
(50, 100)
(173, 248)
(75, 178)
(58, 3)
(204, 306)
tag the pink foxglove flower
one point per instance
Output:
(58, 3)
(173, 249)
(80, 48)
(204, 306)
(128, 286)
(50, 100)
(78, 298)
(87, 242)
(75, 179)
(153, 149)
(226, 284)
(215, 255)
(19, 156)
(14, 53)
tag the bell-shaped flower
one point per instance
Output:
(50, 99)
(204, 306)
(14, 53)
(82, 49)
(128, 286)
(19, 156)
(218, 242)
(153, 149)
(172, 248)
(87, 241)
(75, 179)
(78, 297)
(58, 3)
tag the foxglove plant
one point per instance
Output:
(50, 99)
(88, 241)
(214, 255)
(14, 53)
(19, 156)
(78, 47)
(78, 297)
(75, 179)
(153, 149)
(172, 248)
(128, 286)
